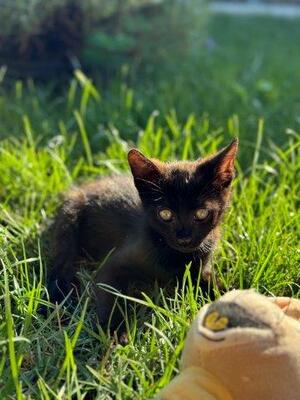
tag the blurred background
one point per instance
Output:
(174, 56)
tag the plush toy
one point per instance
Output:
(244, 346)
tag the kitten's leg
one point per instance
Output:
(119, 276)
(115, 279)
(65, 247)
(210, 280)
(203, 267)
(206, 271)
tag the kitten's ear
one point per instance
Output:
(223, 163)
(141, 167)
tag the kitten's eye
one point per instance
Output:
(166, 214)
(201, 214)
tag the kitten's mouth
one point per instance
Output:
(184, 249)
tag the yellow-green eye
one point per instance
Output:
(201, 214)
(165, 214)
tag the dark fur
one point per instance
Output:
(121, 213)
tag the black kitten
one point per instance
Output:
(164, 217)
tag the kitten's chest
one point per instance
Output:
(175, 263)
(166, 264)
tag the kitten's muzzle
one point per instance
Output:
(185, 247)
(184, 236)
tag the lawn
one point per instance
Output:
(244, 82)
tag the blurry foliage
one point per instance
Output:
(98, 33)
(26, 17)
(37, 37)
(237, 70)
(157, 33)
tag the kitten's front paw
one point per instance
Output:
(206, 273)
(58, 291)
(122, 337)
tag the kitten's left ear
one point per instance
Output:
(223, 163)
(142, 168)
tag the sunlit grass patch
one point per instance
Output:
(66, 355)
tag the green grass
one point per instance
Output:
(48, 143)
(246, 66)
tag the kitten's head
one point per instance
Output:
(184, 200)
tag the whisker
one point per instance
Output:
(151, 183)
(154, 191)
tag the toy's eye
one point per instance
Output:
(215, 322)
(166, 214)
(201, 214)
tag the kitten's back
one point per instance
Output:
(110, 212)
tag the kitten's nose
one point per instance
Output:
(184, 241)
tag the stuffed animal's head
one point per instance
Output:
(249, 344)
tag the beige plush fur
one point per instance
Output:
(229, 358)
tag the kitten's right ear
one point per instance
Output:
(221, 165)
(142, 168)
